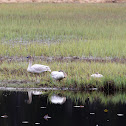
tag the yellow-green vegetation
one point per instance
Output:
(82, 30)
(79, 74)
(82, 97)
(96, 30)
(95, 48)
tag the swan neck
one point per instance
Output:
(30, 63)
(29, 97)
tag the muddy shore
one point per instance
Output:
(64, 59)
(61, 1)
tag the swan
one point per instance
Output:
(55, 99)
(37, 68)
(58, 75)
(97, 75)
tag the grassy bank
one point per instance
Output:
(79, 75)
(96, 30)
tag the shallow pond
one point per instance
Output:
(30, 108)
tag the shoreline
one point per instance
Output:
(62, 1)
(20, 85)
(78, 72)
(65, 59)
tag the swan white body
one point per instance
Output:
(57, 99)
(58, 75)
(37, 68)
(37, 92)
(97, 75)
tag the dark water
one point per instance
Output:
(24, 112)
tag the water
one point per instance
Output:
(28, 109)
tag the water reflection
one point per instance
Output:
(86, 97)
(31, 93)
(55, 99)
(92, 113)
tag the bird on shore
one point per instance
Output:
(97, 75)
(58, 75)
(37, 68)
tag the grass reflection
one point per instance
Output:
(82, 97)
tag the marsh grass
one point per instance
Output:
(78, 74)
(89, 30)
(99, 48)
(96, 30)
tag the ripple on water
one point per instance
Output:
(120, 114)
(43, 107)
(92, 113)
(25, 122)
(37, 123)
(4, 116)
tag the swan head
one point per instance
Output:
(28, 57)
(48, 69)
(65, 75)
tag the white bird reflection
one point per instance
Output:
(55, 99)
(31, 93)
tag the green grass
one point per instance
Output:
(99, 48)
(78, 74)
(89, 30)
(96, 30)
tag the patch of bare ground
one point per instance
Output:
(64, 59)
(23, 85)
(62, 1)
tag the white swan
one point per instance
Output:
(97, 75)
(37, 68)
(55, 99)
(58, 75)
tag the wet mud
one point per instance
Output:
(64, 59)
